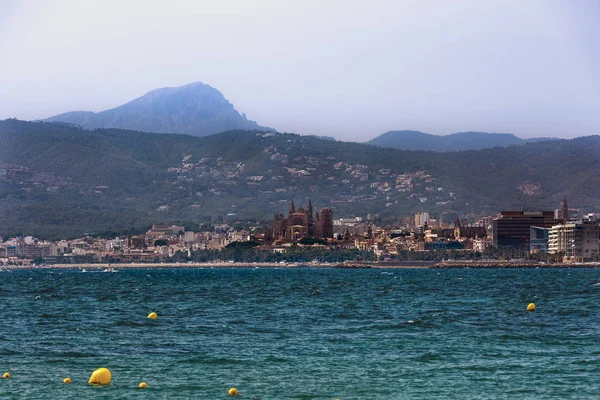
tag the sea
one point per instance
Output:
(301, 333)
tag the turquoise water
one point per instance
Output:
(302, 334)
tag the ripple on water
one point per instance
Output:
(303, 334)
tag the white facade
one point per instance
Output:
(576, 240)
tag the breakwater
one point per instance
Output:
(105, 267)
(511, 264)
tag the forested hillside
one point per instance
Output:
(58, 180)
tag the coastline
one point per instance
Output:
(106, 267)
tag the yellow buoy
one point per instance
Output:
(67, 380)
(233, 392)
(143, 385)
(152, 315)
(531, 307)
(6, 375)
(101, 376)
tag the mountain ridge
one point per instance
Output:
(459, 141)
(195, 109)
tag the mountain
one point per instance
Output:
(194, 109)
(61, 180)
(415, 140)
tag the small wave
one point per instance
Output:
(237, 322)
(586, 362)
(400, 325)
(476, 368)
(339, 340)
(276, 359)
(314, 291)
(9, 352)
(265, 330)
(71, 354)
(126, 322)
(428, 357)
(212, 361)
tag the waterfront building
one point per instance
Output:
(538, 239)
(513, 227)
(578, 241)
(35, 250)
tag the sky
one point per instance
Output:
(343, 68)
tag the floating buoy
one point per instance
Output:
(152, 315)
(531, 307)
(67, 380)
(233, 392)
(6, 375)
(143, 385)
(101, 376)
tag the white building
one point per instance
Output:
(578, 241)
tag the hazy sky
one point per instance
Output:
(349, 69)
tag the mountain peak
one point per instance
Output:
(195, 108)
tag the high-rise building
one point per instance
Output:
(421, 219)
(513, 227)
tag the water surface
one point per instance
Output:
(302, 333)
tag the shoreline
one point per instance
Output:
(106, 267)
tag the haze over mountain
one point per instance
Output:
(415, 140)
(194, 109)
(58, 179)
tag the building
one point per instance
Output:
(136, 241)
(468, 232)
(538, 239)
(448, 217)
(562, 213)
(164, 232)
(513, 227)
(421, 219)
(301, 223)
(578, 241)
(35, 250)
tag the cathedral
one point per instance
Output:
(301, 223)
